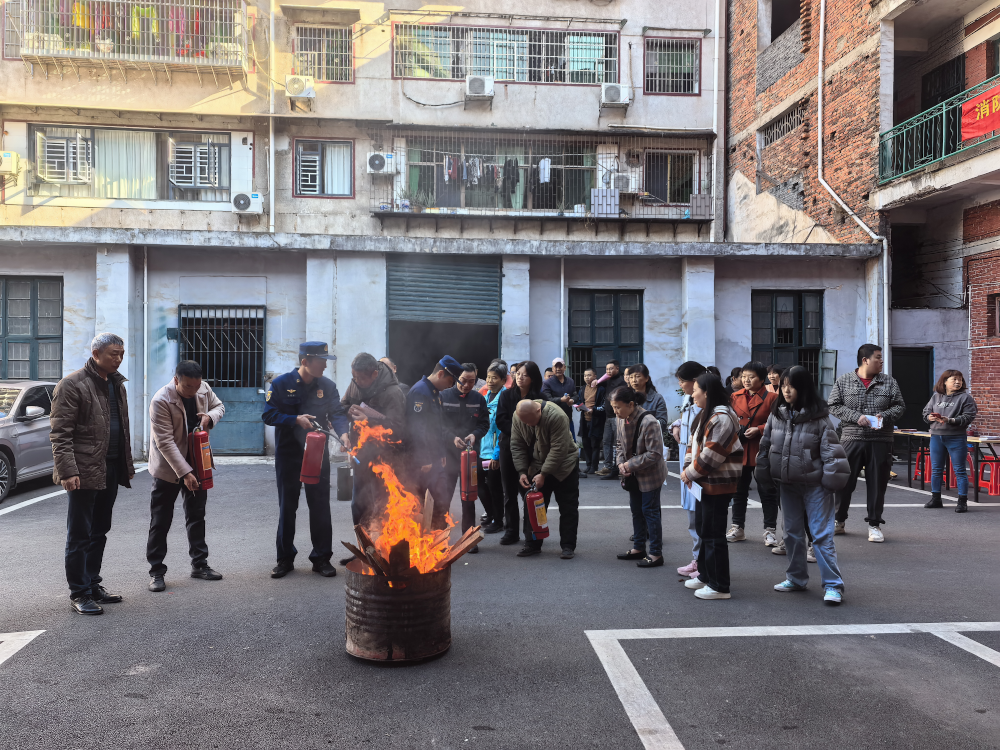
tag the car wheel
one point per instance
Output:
(6, 476)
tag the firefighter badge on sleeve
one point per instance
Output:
(418, 406)
(319, 393)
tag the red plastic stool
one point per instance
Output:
(991, 485)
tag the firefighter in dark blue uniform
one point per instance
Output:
(293, 400)
(429, 436)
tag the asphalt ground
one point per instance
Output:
(254, 662)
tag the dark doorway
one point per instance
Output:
(416, 346)
(912, 369)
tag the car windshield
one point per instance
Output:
(7, 398)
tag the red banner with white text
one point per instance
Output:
(981, 115)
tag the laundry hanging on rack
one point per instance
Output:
(510, 176)
(545, 170)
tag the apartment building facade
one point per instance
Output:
(221, 181)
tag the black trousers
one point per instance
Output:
(609, 445)
(491, 493)
(768, 500)
(511, 489)
(88, 521)
(287, 468)
(567, 493)
(710, 515)
(161, 515)
(483, 492)
(876, 459)
(592, 435)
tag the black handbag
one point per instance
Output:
(743, 428)
(630, 483)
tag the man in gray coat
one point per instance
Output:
(545, 455)
(92, 451)
(862, 400)
(185, 404)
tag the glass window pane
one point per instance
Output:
(760, 302)
(18, 361)
(49, 290)
(629, 357)
(763, 356)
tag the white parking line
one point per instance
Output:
(11, 643)
(652, 726)
(32, 501)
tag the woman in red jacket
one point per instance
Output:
(752, 404)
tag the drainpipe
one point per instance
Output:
(715, 120)
(886, 351)
(562, 307)
(145, 353)
(270, 127)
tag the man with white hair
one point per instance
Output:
(545, 455)
(92, 454)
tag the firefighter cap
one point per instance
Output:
(452, 365)
(315, 349)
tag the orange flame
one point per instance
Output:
(403, 516)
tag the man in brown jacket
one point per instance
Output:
(185, 404)
(92, 451)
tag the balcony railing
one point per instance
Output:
(930, 136)
(179, 34)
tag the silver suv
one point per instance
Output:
(25, 450)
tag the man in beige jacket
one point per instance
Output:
(175, 411)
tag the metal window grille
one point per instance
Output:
(324, 168)
(30, 328)
(604, 326)
(195, 165)
(506, 54)
(324, 53)
(185, 33)
(673, 66)
(499, 173)
(787, 329)
(227, 341)
(782, 126)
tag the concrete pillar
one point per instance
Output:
(873, 303)
(361, 313)
(516, 304)
(112, 297)
(887, 68)
(321, 296)
(698, 313)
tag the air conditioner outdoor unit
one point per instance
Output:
(9, 161)
(626, 182)
(300, 87)
(248, 203)
(381, 162)
(479, 87)
(614, 95)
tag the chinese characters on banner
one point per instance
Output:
(981, 115)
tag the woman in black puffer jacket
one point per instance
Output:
(801, 454)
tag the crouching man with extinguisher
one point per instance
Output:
(546, 458)
(181, 413)
(294, 401)
(468, 420)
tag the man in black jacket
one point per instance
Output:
(590, 402)
(468, 420)
(614, 381)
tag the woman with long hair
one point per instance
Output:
(801, 453)
(491, 492)
(715, 462)
(643, 470)
(527, 384)
(950, 412)
(686, 375)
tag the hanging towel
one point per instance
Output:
(545, 170)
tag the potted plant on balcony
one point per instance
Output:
(424, 201)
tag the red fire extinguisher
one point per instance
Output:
(470, 478)
(536, 513)
(312, 457)
(200, 453)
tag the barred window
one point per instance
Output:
(670, 176)
(787, 328)
(520, 55)
(781, 126)
(324, 53)
(324, 169)
(604, 326)
(673, 66)
(31, 314)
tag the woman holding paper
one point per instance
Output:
(950, 412)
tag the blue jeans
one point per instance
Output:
(802, 504)
(955, 446)
(646, 524)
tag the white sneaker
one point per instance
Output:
(875, 534)
(735, 534)
(707, 592)
(694, 583)
(810, 555)
(770, 538)
(839, 527)
(780, 549)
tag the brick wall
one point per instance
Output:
(851, 109)
(983, 272)
(978, 64)
(981, 222)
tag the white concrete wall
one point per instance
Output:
(944, 331)
(660, 281)
(841, 281)
(361, 316)
(515, 343)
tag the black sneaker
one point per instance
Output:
(567, 553)
(100, 595)
(611, 475)
(282, 569)
(474, 550)
(156, 583)
(325, 569)
(527, 551)
(84, 605)
(510, 539)
(205, 573)
(493, 528)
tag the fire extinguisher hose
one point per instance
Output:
(330, 434)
